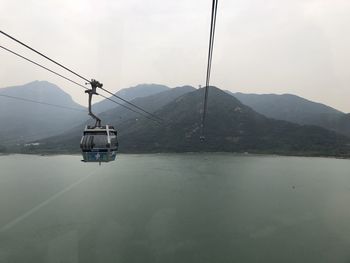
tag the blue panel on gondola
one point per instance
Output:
(99, 156)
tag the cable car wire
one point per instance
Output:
(41, 102)
(211, 43)
(37, 64)
(210, 56)
(137, 107)
(41, 54)
(144, 115)
(89, 81)
(72, 81)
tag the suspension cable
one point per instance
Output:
(89, 81)
(72, 81)
(37, 64)
(121, 104)
(41, 54)
(210, 55)
(137, 107)
(211, 43)
(40, 102)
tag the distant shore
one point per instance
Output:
(312, 155)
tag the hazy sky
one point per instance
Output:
(261, 46)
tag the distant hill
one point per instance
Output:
(139, 91)
(297, 110)
(231, 127)
(22, 120)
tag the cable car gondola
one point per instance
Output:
(98, 143)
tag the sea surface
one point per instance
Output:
(174, 208)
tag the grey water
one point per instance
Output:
(174, 208)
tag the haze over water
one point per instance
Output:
(174, 208)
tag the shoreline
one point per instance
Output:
(247, 154)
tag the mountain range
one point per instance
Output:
(231, 126)
(298, 110)
(236, 123)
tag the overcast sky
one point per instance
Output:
(262, 46)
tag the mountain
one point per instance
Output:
(297, 110)
(23, 120)
(230, 126)
(141, 90)
(118, 116)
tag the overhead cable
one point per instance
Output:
(40, 102)
(41, 54)
(121, 104)
(132, 104)
(210, 55)
(37, 64)
(72, 81)
(87, 80)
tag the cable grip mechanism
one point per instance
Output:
(94, 85)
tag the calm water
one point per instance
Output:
(174, 208)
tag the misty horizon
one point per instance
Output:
(98, 99)
(296, 47)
